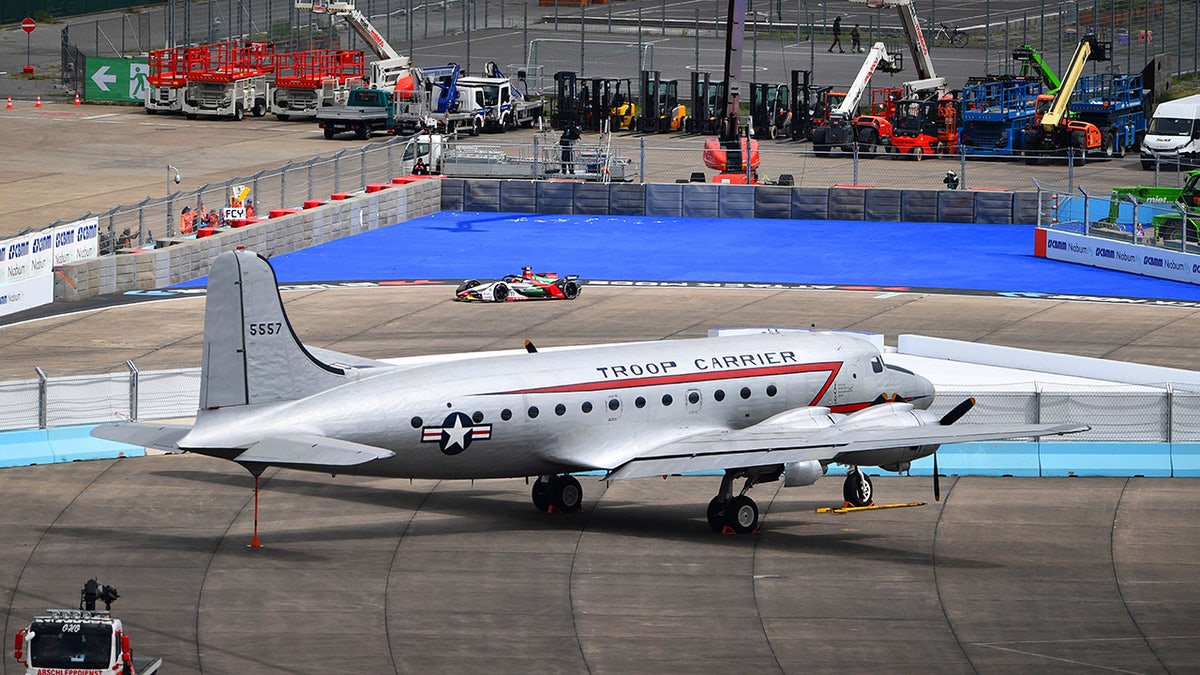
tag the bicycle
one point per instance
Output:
(950, 34)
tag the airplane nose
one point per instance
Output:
(923, 392)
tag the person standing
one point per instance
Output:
(837, 36)
(855, 40)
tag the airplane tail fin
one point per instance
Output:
(251, 354)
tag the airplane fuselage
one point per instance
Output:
(581, 409)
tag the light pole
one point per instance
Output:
(172, 175)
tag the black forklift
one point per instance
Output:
(708, 100)
(770, 109)
(661, 111)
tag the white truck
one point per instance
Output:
(1174, 134)
(80, 642)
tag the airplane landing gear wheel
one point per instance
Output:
(739, 514)
(857, 490)
(742, 514)
(560, 493)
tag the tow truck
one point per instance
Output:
(840, 130)
(1098, 114)
(81, 641)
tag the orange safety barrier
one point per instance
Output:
(313, 203)
(376, 187)
(339, 196)
(275, 213)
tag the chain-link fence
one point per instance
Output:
(287, 186)
(1115, 412)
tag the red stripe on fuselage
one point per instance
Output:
(833, 367)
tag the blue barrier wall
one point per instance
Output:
(710, 200)
(61, 444)
(996, 458)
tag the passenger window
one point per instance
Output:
(667, 400)
(533, 411)
(745, 392)
(613, 404)
(719, 395)
(639, 402)
(477, 417)
(416, 422)
(694, 397)
(586, 407)
(772, 390)
(560, 410)
(506, 414)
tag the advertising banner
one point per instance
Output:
(76, 241)
(27, 279)
(1117, 255)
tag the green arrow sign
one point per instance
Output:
(109, 79)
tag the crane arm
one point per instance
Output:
(735, 31)
(877, 58)
(358, 22)
(1032, 62)
(1089, 49)
(927, 77)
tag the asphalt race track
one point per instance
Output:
(371, 575)
(385, 576)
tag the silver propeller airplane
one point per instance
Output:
(760, 407)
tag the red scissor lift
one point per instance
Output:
(226, 79)
(306, 81)
(169, 69)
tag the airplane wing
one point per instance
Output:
(158, 436)
(311, 449)
(776, 444)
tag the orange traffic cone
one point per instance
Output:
(77, 99)
(9, 106)
(39, 101)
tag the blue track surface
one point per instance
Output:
(457, 245)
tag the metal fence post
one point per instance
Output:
(133, 390)
(642, 150)
(962, 168)
(1087, 218)
(1170, 412)
(43, 404)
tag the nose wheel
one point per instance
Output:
(857, 490)
(562, 493)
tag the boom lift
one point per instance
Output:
(1033, 66)
(925, 97)
(391, 70)
(840, 130)
(1055, 129)
(733, 155)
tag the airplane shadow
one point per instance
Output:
(487, 509)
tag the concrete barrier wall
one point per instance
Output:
(190, 259)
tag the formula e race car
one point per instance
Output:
(525, 286)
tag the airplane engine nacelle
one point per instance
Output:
(894, 415)
(799, 474)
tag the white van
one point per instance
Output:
(1174, 133)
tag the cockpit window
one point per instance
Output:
(877, 364)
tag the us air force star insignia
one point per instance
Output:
(456, 433)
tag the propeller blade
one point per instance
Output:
(529, 346)
(959, 410)
(937, 483)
